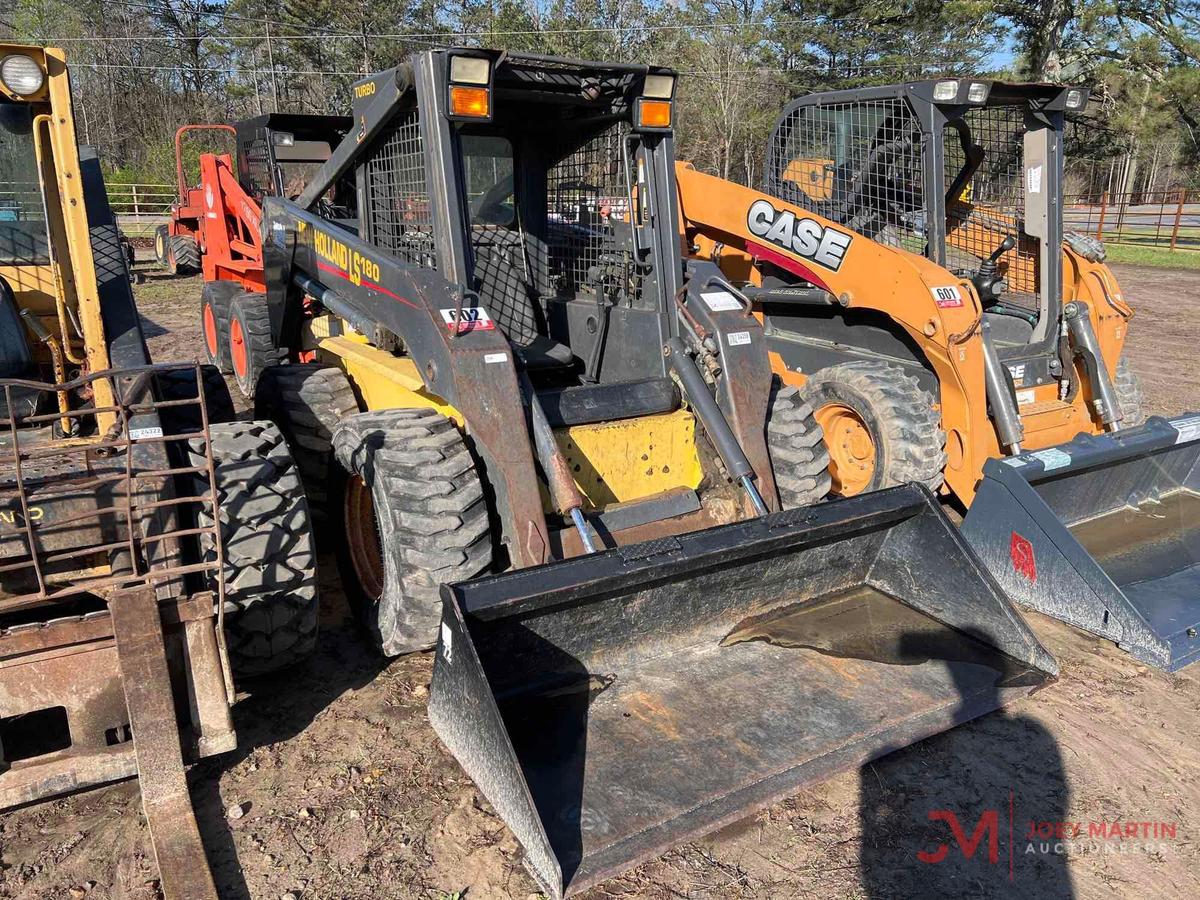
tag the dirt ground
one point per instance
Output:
(345, 791)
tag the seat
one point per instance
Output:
(507, 296)
(16, 358)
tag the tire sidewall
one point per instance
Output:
(829, 392)
(246, 382)
(377, 617)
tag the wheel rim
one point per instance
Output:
(851, 448)
(159, 250)
(237, 348)
(362, 537)
(210, 332)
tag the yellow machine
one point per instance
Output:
(910, 270)
(142, 569)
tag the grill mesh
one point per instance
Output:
(399, 216)
(858, 164)
(990, 205)
(583, 243)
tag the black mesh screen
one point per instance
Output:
(398, 216)
(589, 220)
(858, 164)
(988, 207)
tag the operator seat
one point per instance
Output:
(16, 358)
(510, 300)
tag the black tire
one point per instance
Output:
(180, 384)
(797, 446)
(416, 472)
(251, 343)
(161, 239)
(307, 402)
(1129, 396)
(183, 255)
(898, 415)
(216, 299)
(271, 599)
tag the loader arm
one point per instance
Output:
(749, 233)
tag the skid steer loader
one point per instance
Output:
(908, 261)
(216, 226)
(151, 554)
(551, 446)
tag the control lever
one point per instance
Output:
(988, 283)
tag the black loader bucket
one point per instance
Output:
(611, 706)
(1104, 534)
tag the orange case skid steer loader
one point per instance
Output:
(543, 376)
(909, 265)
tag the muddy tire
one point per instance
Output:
(162, 238)
(415, 518)
(180, 384)
(1129, 396)
(307, 402)
(270, 567)
(797, 447)
(183, 255)
(251, 343)
(215, 300)
(880, 427)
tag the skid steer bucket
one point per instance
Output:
(1103, 533)
(613, 705)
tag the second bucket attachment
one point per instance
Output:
(1104, 534)
(614, 705)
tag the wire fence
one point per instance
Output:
(140, 208)
(1166, 219)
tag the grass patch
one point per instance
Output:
(1156, 257)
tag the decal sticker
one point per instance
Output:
(722, 301)
(495, 357)
(1033, 178)
(447, 643)
(1021, 551)
(805, 237)
(1051, 459)
(1014, 461)
(208, 196)
(469, 318)
(142, 434)
(947, 297)
(1187, 429)
(1017, 373)
(738, 338)
(1025, 397)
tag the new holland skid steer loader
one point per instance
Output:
(908, 261)
(531, 422)
(150, 554)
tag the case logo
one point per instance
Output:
(804, 237)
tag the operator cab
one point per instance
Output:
(961, 171)
(554, 174)
(278, 153)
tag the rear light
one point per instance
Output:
(1075, 99)
(653, 113)
(471, 102)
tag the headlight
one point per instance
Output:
(659, 87)
(21, 75)
(977, 92)
(945, 90)
(1075, 99)
(470, 70)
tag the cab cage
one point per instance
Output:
(946, 168)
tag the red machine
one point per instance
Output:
(216, 227)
